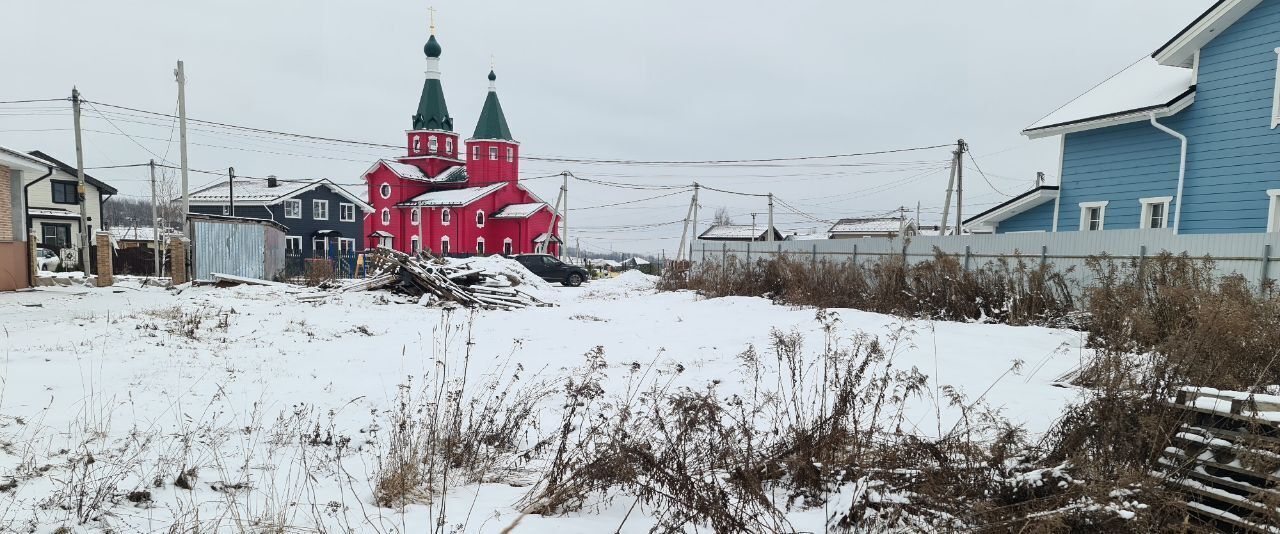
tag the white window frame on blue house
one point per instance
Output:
(293, 243)
(346, 212)
(293, 209)
(1101, 206)
(1148, 207)
(1275, 99)
(1273, 212)
(319, 210)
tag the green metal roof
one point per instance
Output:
(492, 123)
(433, 114)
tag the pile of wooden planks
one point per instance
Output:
(1225, 457)
(438, 281)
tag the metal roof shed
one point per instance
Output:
(238, 246)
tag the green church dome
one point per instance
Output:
(432, 48)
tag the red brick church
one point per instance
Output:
(449, 198)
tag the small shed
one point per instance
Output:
(739, 232)
(872, 227)
(237, 246)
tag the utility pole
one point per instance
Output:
(754, 235)
(541, 248)
(80, 189)
(684, 232)
(231, 191)
(564, 220)
(961, 148)
(954, 185)
(694, 234)
(918, 222)
(181, 76)
(946, 206)
(155, 220)
(769, 237)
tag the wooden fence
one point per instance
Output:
(1225, 456)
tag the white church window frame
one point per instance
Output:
(415, 216)
(433, 145)
(479, 246)
(385, 190)
(386, 216)
(445, 217)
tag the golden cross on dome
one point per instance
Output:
(432, 10)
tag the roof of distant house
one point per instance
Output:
(805, 237)
(744, 232)
(136, 233)
(73, 172)
(258, 191)
(870, 225)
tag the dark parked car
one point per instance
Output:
(553, 270)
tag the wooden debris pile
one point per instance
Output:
(438, 281)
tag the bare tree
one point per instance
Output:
(722, 216)
(131, 212)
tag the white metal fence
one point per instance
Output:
(1250, 255)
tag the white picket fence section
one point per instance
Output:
(1249, 255)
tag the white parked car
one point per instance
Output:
(47, 260)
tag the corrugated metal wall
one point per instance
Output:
(229, 247)
(1250, 255)
(273, 259)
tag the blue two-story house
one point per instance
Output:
(1183, 141)
(322, 218)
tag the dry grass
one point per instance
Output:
(1014, 292)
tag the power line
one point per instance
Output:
(560, 159)
(680, 192)
(984, 175)
(734, 161)
(735, 192)
(34, 100)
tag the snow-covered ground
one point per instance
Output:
(229, 382)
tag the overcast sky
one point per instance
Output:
(654, 80)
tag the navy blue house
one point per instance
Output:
(1183, 141)
(322, 218)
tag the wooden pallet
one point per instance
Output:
(1225, 457)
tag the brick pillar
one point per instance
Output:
(106, 273)
(33, 267)
(178, 260)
